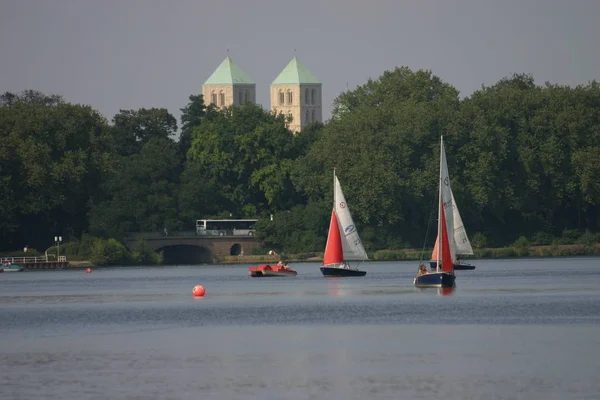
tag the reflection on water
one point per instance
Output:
(446, 291)
(519, 329)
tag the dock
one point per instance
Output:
(42, 262)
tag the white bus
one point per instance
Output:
(225, 227)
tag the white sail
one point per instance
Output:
(446, 201)
(351, 243)
(461, 240)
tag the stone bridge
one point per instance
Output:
(188, 248)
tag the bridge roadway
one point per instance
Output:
(210, 249)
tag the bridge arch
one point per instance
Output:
(194, 249)
(185, 254)
(236, 250)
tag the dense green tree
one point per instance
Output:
(51, 158)
(245, 152)
(142, 195)
(133, 128)
(523, 158)
(192, 116)
(523, 145)
(382, 140)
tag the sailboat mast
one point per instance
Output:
(334, 199)
(439, 255)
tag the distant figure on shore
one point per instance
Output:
(166, 232)
(25, 249)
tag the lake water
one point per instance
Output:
(511, 329)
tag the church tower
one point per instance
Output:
(296, 92)
(229, 85)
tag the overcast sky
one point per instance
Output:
(129, 54)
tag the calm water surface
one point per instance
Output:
(512, 329)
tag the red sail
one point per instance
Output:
(447, 265)
(333, 249)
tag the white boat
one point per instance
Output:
(443, 276)
(343, 241)
(460, 241)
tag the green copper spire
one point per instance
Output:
(228, 73)
(295, 73)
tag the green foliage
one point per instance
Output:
(51, 157)
(192, 116)
(522, 242)
(142, 196)
(396, 255)
(523, 158)
(542, 238)
(301, 229)
(142, 254)
(134, 128)
(479, 241)
(244, 154)
(78, 249)
(521, 246)
(383, 140)
(589, 239)
(109, 252)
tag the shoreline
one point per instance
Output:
(550, 251)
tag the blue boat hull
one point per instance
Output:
(433, 265)
(435, 279)
(332, 271)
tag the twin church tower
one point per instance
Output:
(295, 92)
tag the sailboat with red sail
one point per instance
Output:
(459, 240)
(343, 242)
(443, 276)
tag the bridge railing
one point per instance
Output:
(158, 235)
(175, 234)
(29, 260)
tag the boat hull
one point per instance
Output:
(464, 267)
(11, 268)
(435, 279)
(265, 271)
(334, 271)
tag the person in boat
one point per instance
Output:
(422, 270)
(286, 266)
(280, 263)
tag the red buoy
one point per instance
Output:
(88, 271)
(198, 291)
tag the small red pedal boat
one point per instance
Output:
(271, 270)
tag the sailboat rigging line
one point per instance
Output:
(427, 232)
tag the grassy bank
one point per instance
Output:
(568, 250)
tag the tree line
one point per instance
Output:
(524, 160)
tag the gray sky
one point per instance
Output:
(129, 54)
